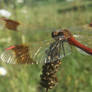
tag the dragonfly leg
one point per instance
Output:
(63, 48)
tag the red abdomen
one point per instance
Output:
(73, 41)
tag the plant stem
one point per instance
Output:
(46, 89)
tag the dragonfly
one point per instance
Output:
(51, 50)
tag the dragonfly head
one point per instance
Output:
(58, 35)
(61, 34)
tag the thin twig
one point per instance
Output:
(46, 89)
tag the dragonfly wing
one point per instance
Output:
(82, 35)
(67, 50)
(39, 52)
(81, 51)
(8, 57)
(18, 54)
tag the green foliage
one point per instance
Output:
(75, 74)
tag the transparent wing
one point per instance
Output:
(35, 55)
(83, 35)
(17, 55)
(8, 57)
(67, 50)
(39, 52)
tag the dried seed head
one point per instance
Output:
(48, 77)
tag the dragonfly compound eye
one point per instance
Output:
(57, 35)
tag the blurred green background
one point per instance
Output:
(38, 18)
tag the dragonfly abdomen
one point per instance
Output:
(73, 41)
